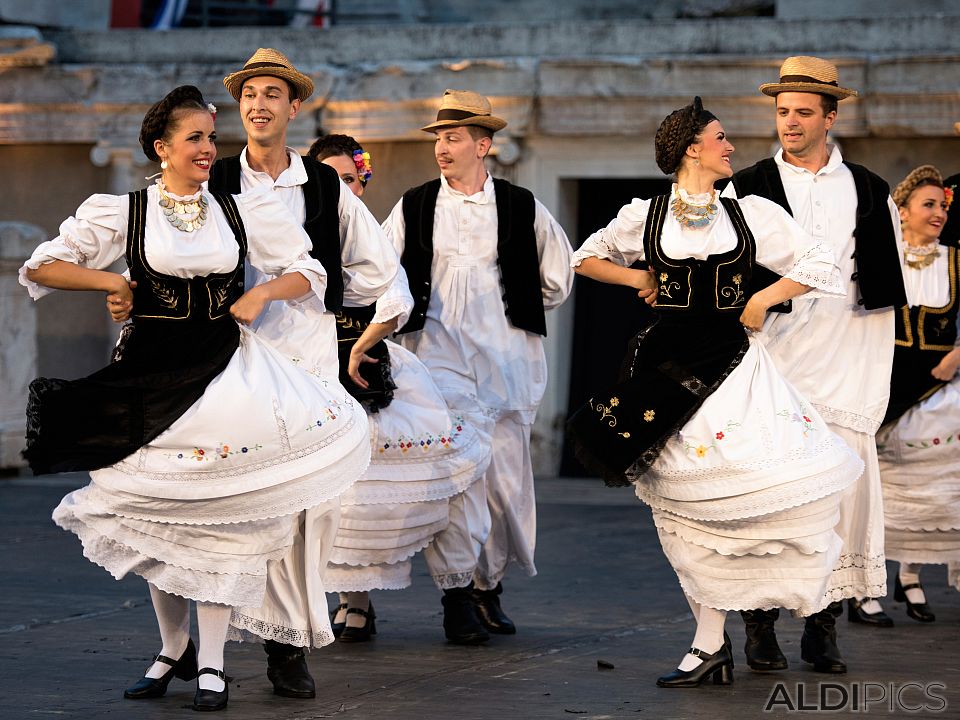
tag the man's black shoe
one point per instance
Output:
(287, 670)
(762, 650)
(460, 622)
(818, 646)
(490, 612)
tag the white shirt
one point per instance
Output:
(368, 262)
(473, 352)
(838, 354)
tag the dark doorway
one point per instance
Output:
(605, 316)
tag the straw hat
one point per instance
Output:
(267, 61)
(463, 107)
(808, 74)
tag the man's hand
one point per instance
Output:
(946, 369)
(647, 287)
(120, 299)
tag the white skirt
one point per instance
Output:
(200, 510)
(421, 455)
(746, 496)
(920, 475)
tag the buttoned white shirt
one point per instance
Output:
(838, 354)
(467, 342)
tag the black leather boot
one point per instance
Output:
(460, 622)
(287, 670)
(490, 612)
(818, 646)
(762, 651)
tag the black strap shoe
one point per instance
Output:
(856, 614)
(185, 668)
(287, 670)
(335, 626)
(719, 666)
(460, 622)
(818, 645)
(491, 614)
(211, 700)
(762, 650)
(360, 634)
(920, 612)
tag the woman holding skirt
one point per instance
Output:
(421, 454)
(205, 443)
(918, 445)
(742, 475)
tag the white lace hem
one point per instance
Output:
(452, 581)
(848, 419)
(345, 578)
(244, 628)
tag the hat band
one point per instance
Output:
(251, 66)
(806, 79)
(456, 115)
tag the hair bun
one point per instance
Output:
(677, 131)
(157, 119)
(922, 175)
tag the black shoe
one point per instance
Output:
(360, 634)
(818, 645)
(856, 614)
(210, 700)
(728, 644)
(185, 668)
(287, 670)
(335, 626)
(918, 611)
(719, 665)
(490, 612)
(460, 622)
(762, 650)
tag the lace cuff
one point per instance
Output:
(595, 246)
(392, 308)
(815, 271)
(307, 266)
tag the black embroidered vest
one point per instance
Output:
(321, 195)
(877, 256)
(517, 254)
(718, 285)
(929, 328)
(164, 297)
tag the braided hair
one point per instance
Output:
(160, 120)
(677, 132)
(916, 178)
(333, 145)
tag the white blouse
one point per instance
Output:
(928, 286)
(97, 236)
(781, 244)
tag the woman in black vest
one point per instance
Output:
(205, 444)
(421, 454)
(742, 475)
(918, 445)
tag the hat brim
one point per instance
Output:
(491, 122)
(774, 89)
(956, 127)
(234, 82)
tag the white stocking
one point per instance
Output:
(709, 637)
(694, 607)
(173, 617)
(212, 621)
(359, 600)
(909, 574)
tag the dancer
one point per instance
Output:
(183, 492)
(421, 454)
(917, 445)
(360, 264)
(485, 260)
(741, 473)
(837, 351)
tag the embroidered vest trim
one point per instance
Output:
(932, 328)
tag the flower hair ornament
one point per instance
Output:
(213, 110)
(948, 195)
(361, 159)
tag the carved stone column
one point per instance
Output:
(18, 338)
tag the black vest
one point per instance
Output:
(321, 195)
(165, 297)
(951, 230)
(718, 285)
(877, 256)
(930, 328)
(517, 254)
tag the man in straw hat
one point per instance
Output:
(485, 260)
(360, 263)
(837, 352)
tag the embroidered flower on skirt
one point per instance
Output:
(403, 445)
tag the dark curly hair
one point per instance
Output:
(160, 120)
(333, 145)
(678, 131)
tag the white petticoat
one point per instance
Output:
(920, 474)
(746, 496)
(200, 511)
(422, 454)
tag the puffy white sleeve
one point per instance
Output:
(621, 241)
(94, 238)
(367, 258)
(276, 243)
(395, 228)
(787, 249)
(554, 251)
(396, 302)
